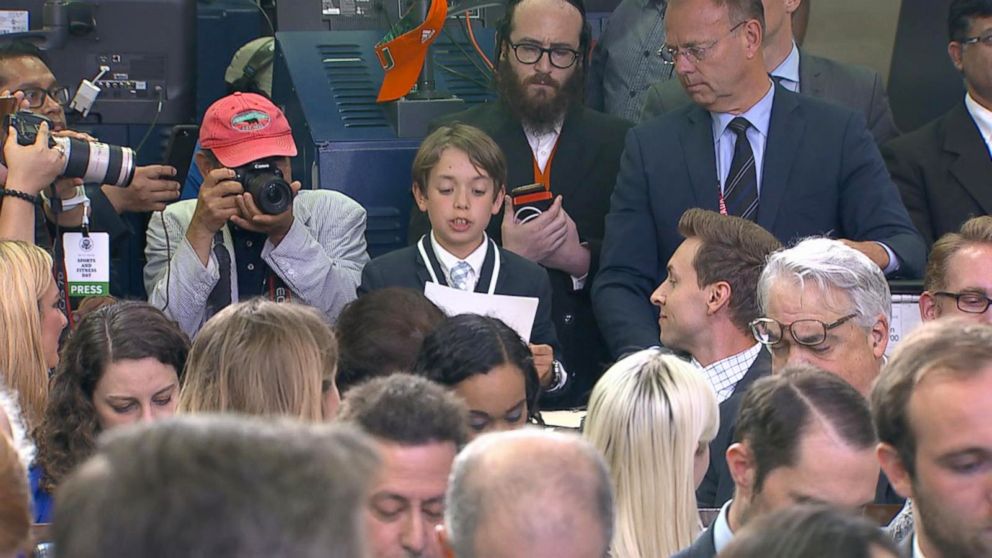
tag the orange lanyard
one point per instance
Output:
(544, 176)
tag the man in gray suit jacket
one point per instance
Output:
(206, 253)
(803, 435)
(855, 87)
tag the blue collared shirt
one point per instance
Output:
(725, 139)
(788, 71)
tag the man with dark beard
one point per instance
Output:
(549, 137)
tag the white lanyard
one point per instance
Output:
(430, 268)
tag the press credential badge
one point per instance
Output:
(87, 263)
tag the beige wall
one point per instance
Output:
(856, 31)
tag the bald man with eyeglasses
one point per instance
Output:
(795, 165)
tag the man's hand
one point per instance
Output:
(872, 249)
(33, 167)
(215, 205)
(550, 239)
(544, 359)
(150, 189)
(537, 238)
(251, 218)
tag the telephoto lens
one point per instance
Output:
(94, 162)
(263, 180)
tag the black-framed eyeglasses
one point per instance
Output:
(560, 57)
(695, 53)
(985, 39)
(35, 96)
(805, 332)
(972, 303)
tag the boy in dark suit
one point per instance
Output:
(459, 180)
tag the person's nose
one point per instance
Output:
(414, 537)
(659, 295)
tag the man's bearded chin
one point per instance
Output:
(539, 114)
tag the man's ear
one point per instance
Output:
(204, 163)
(442, 538)
(954, 49)
(419, 197)
(895, 470)
(719, 294)
(743, 469)
(791, 6)
(928, 307)
(752, 31)
(498, 200)
(880, 336)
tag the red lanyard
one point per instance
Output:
(544, 176)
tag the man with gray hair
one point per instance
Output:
(828, 305)
(218, 486)
(529, 493)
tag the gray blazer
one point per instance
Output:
(855, 87)
(320, 259)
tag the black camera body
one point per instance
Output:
(264, 181)
(94, 162)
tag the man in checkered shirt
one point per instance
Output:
(706, 305)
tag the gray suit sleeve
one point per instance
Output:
(176, 280)
(321, 260)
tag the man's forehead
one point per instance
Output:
(696, 20)
(979, 25)
(792, 297)
(527, 19)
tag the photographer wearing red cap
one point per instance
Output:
(251, 232)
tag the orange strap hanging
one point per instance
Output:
(544, 176)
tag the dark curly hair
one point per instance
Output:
(468, 344)
(125, 330)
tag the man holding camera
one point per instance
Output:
(250, 232)
(24, 71)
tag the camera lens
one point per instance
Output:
(271, 193)
(97, 162)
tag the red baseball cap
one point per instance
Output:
(245, 127)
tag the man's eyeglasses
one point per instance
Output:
(560, 57)
(805, 332)
(972, 303)
(35, 96)
(694, 54)
(985, 39)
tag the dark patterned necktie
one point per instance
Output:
(220, 296)
(740, 192)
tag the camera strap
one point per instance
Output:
(543, 176)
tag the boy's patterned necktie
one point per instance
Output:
(462, 275)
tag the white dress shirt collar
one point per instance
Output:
(542, 144)
(448, 260)
(788, 70)
(724, 374)
(722, 535)
(983, 119)
(917, 553)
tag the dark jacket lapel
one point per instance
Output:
(785, 129)
(973, 166)
(811, 80)
(700, 158)
(576, 149)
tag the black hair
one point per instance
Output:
(467, 345)
(962, 12)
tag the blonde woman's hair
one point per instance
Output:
(25, 275)
(261, 358)
(648, 414)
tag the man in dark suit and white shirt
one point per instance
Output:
(932, 407)
(706, 303)
(943, 168)
(803, 435)
(855, 87)
(796, 165)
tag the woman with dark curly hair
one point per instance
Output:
(488, 365)
(123, 364)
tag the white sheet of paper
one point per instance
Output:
(518, 312)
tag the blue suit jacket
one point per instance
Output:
(822, 175)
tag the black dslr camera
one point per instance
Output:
(94, 162)
(263, 180)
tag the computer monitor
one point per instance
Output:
(147, 46)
